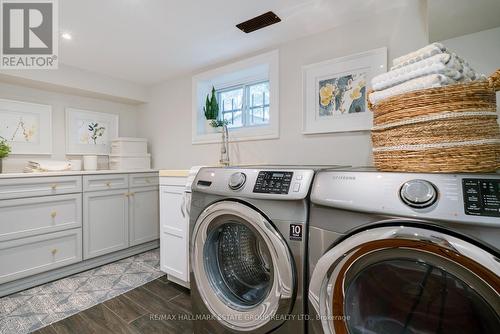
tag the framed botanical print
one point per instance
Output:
(27, 127)
(335, 92)
(90, 132)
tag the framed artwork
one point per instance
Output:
(27, 127)
(89, 132)
(335, 92)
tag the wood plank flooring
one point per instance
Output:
(156, 307)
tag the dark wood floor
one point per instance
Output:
(156, 307)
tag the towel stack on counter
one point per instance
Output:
(429, 67)
(47, 166)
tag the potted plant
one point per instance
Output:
(211, 110)
(4, 150)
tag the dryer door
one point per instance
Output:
(242, 267)
(399, 279)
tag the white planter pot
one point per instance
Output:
(209, 128)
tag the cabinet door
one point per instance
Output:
(144, 215)
(174, 242)
(105, 222)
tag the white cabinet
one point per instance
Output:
(144, 215)
(117, 216)
(105, 222)
(174, 226)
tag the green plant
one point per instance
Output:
(4, 148)
(211, 108)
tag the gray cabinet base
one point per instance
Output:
(31, 281)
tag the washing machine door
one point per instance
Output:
(395, 280)
(242, 267)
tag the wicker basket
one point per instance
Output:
(447, 129)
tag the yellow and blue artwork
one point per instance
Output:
(342, 95)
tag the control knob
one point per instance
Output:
(237, 180)
(418, 193)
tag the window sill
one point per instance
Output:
(237, 136)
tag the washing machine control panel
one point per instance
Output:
(481, 197)
(273, 182)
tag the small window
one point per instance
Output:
(246, 105)
(247, 92)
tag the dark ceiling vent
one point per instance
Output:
(259, 22)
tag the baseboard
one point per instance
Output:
(42, 278)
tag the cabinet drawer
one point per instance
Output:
(28, 256)
(105, 182)
(143, 179)
(39, 186)
(30, 216)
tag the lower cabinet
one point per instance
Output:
(105, 222)
(28, 256)
(144, 215)
(174, 221)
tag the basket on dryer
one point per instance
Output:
(446, 129)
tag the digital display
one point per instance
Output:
(273, 182)
(481, 197)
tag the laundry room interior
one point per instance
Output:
(280, 166)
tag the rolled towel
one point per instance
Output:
(443, 63)
(428, 81)
(416, 56)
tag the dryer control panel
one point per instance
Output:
(481, 197)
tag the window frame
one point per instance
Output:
(244, 73)
(245, 106)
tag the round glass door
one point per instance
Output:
(238, 264)
(243, 268)
(407, 296)
(406, 280)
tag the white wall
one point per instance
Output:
(166, 119)
(128, 117)
(481, 49)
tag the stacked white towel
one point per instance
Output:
(47, 166)
(430, 67)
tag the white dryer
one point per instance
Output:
(403, 253)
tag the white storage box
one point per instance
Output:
(129, 162)
(129, 146)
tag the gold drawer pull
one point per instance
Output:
(54, 251)
(126, 194)
(108, 184)
(54, 186)
(53, 214)
(132, 194)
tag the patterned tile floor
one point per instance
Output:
(31, 309)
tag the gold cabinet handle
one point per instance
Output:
(54, 186)
(108, 184)
(132, 194)
(53, 214)
(126, 194)
(54, 251)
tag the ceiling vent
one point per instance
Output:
(259, 22)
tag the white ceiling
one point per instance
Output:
(453, 18)
(148, 41)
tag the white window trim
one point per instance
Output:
(202, 84)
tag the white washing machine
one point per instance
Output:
(403, 253)
(248, 249)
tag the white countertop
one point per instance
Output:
(174, 172)
(75, 173)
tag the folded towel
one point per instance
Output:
(47, 166)
(446, 64)
(428, 81)
(421, 54)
